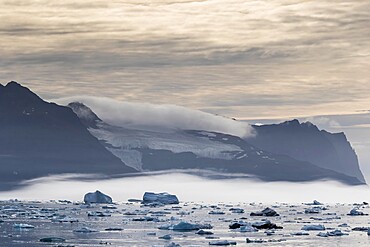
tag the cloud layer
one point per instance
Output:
(232, 57)
(145, 115)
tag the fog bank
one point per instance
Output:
(190, 188)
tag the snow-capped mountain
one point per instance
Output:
(38, 138)
(148, 150)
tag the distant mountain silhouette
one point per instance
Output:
(304, 141)
(193, 149)
(38, 138)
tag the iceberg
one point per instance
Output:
(356, 212)
(222, 243)
(159, 198)
(266, 212)
(85, 229)
(97, 197)
(313, 228)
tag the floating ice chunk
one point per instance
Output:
(356, 212)
(146, 218)
(216, 212)
(259, 241)
(23, 226)
(161, 198)
(343, 225)
(313, 228)
(248, 228)
(85, 229)
(266, 212)
(314, 210)
(248, 240)
(166, 237)
(172, 245)
(361, 229)
(97, 197)
(316, 203)
(64, 219)
(185, 226)
(203, 232)
(165, 227)
(300, 234)
(237, 225)
(222, 243)
(52, 240)
(265, 224)
(335, 233)
(113, 229)
(98, 214)
(134, 200)
(323, 234)
(237, 210)
(109, 207)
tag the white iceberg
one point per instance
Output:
(160, 198)
(97, 197)
(313, 228)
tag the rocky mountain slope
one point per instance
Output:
(304, 141)
(146, 150)
(38, 138)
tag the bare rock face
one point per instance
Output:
(38, 138)
(305, 142)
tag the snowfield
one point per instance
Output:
(124, 142)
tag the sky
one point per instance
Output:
(246, 59)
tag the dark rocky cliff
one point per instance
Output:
(38, 138)
(304, 141)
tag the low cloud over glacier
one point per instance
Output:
(132, 114)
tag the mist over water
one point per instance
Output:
(191, 188)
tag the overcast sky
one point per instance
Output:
(240, 58)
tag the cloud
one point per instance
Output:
(324, 122)
(130, 114)
(246, 58)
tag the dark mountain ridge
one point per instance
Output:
(194, 149)
(304, 141)
(38, 138)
